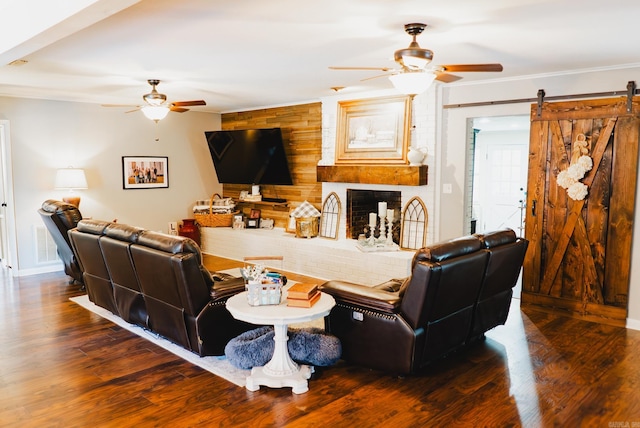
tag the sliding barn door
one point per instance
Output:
(579, 220)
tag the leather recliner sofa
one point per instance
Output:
(60, 217)
(158, 282)
(458, 290)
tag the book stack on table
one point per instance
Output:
(303, 295)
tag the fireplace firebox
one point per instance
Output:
(362, 202)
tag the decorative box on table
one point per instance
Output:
(265, 292)
(263, 287)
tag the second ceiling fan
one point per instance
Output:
(416, 73)
(157, 107)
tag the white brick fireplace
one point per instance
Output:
(423, 137)
(338, 259)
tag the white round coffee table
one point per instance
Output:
(281, 370)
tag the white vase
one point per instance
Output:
(415, 156)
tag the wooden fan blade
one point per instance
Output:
(118, 105)
(189, 103)
(446, 77)
(178, 109)
(362, 68)
(135, 109)
(471, 67)
(375, 77)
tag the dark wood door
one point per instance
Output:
(579, 255)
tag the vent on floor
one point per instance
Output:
(45, 246)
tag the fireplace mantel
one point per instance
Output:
(373, 174)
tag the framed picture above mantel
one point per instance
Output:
(145, 172)
(374, 130)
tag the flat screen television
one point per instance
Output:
(252, 156)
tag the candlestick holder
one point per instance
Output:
(390, 233)
(382, 216)
(372, 239)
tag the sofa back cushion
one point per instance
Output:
(506, 255)
(63, 217)
(447, 249)
(170, 269)
(445, 278)
(115, 245)
(86, 244)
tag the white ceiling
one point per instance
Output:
(243, 54)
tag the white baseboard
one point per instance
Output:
(36, 271)
(633, 324)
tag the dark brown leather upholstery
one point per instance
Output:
(401, 326)
(115, 246)
(86, 245)
(59, 217)
(506, 255)
(158, 281)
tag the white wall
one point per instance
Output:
(451, 164)
(47, 135)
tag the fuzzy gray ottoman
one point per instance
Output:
(311, 346)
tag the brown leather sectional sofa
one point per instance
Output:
(157, 281)
(58, 218)
(458, 290)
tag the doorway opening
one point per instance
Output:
(499, 149)
(8, 242)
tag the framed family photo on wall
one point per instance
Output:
(373, 130)
(145, 172)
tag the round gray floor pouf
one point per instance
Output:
(251, 349)
(312, 346)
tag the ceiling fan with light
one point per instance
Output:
(416, 72)
(157, 107)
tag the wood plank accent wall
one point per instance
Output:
(302, 134)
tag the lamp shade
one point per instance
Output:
(412, 83)
(71, 178)
(155, 112)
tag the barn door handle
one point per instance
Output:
(533, 208)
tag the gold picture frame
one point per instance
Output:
(375, 130)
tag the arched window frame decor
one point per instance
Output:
(330, 216)
(413, 231)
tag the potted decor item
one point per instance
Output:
(190, 229)
(307, 224)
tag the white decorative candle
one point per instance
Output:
(382, 209)
(255, 190)
(390, 214)
(372, 220)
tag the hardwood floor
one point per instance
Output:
(63, 366)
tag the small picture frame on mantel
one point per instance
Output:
(253, 222)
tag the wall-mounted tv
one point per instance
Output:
(252, 156)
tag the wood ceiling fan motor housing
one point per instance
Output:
(413, 57)
(154, 98)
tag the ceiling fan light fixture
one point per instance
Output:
(154, 98)
(414, 58)
(155, 113)
(412, 83)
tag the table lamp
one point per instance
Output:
(71, 179)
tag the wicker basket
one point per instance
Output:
(212, 219)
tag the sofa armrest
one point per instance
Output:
(226, 288)
(363, 296)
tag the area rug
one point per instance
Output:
(219, 366)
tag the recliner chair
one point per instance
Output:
(458, 289)
(59, 217)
